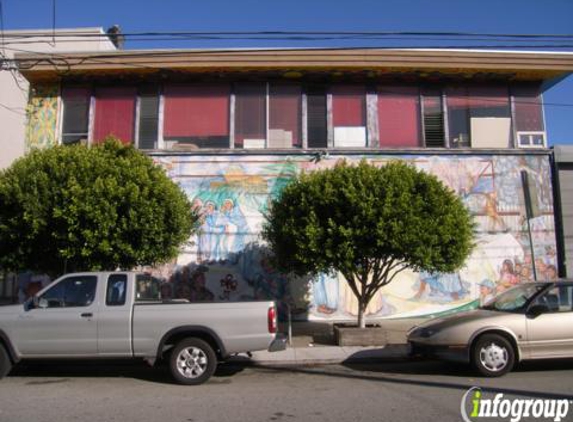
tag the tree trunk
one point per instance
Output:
(361, 317)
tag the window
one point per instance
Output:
(76, 104)
(529, 126)
(196, 116)
(285, 116)
(557, 299)
(458, 116)
(148, 117)
(78, 291)
(349, 115)
(316, 117)
(433, 118)
(479, 116)
(147, 288)
(114, 113)
(399, 116)
(250, 115)
(116, 290)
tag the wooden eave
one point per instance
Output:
(524, 66)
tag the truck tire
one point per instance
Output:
(5, 362)
(192, 361)
(493, 355)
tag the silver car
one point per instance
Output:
(529, 321)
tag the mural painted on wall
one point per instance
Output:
(226, 261)
(42, 112)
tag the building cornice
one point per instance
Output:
(293, 63)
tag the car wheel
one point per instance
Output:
(493, 355)
(192, 361)
(5, 362)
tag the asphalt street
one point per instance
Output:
(396, 391)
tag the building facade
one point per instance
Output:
(15, 88)
(232, 127)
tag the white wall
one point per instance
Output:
(14, 88)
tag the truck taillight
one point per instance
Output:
(272, 319)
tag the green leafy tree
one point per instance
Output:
(78, 208)
(368, 223)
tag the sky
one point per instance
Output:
(481, 16)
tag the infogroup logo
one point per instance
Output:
(475, 406)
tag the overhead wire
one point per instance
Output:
(22, 34)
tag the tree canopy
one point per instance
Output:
(368, 223)
(79, 208)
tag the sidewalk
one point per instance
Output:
(313, 344)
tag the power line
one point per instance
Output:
(13, 109)
(71, 38)
(300, 33)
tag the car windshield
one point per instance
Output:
(513, 300)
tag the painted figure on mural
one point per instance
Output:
(495, 221)
(213, 233)
(236, 229)
(228, 285)
(525, 274)
(325, 294)
(507, 276)
(440, 287)
(486, 291)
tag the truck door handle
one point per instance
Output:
(87, 315)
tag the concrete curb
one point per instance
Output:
(326, 355)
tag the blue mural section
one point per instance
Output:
(226, 260)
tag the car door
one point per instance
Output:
(63, 322)
(114, 321)
(550, 334)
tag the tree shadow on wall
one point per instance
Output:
(247, 275)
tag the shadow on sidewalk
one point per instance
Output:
(388, 373)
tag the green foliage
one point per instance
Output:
(77, 208)
(368, 223)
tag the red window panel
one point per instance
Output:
(478, 97)
(114, 113)
(399, 116)
(528, 108)
(196, 110)
(348, 105)
(285, 111)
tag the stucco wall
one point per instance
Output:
(233, 191)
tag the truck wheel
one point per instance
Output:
(5, 362)
(192, 361)
(493, 355)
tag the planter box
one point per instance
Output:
(351, 335)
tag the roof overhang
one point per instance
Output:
(293, 63)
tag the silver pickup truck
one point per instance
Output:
(122, 315)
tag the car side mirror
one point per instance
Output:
(537, 310)
(31, 303)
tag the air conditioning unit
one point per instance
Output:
(531, 139)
